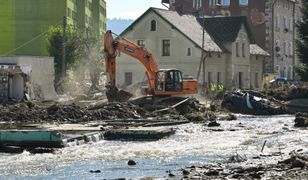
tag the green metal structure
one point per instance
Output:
(23, 23)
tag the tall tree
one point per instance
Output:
(74, 47)
(302, 42)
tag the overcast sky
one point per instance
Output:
(129, 9)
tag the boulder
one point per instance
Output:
(301, 120)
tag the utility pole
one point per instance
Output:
(63, 70)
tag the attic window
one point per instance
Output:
(188, 53)
(153, 25)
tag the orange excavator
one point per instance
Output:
(161, 82)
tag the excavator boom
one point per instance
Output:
(160, 82)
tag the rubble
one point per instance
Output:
(294, 167)
(31, 113)
(301, 120)
(28, 112)
(286, 94)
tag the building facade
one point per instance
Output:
(176, 42)
(23, 23)
(272, 23)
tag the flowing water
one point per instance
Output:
(193, 144)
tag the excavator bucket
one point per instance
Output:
(114, 95)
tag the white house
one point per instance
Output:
(229, 54)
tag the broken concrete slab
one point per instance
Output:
(139, 134)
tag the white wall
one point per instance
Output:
(42, 76)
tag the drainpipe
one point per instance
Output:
(273, 33)
(293, 44)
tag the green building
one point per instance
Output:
(23, 23)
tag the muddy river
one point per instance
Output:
(193, 144)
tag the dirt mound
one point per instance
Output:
(288, 94)
(29, 112)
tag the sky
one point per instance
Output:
(129, 9)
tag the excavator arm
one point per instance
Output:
(121, 44)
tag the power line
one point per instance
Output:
(26, 43)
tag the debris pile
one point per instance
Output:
(294, 167)
(116, 110)
(29, 112)
(169, 105)
(250, 102)
(301, 120)
(287, 94)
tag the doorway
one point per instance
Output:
(240, 80)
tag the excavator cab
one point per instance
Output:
(169, 80)
(162, 82)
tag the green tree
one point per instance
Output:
(74, 48)
(302, 43)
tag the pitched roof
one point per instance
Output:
(257, 50)
(226, 29)
(187, 25)
(217, 29)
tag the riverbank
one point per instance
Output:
(193, 144)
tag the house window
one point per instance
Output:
(128, 78)
(277, 47)
(291, 24)
(166, 48)
(225, 2)
(69, 12)
(285, 24)
(218, 78)
(244, 2)
(277, 70)
(197, 4)
(256, 80)
(277, 23)
(153, 25)
(212, 3)
(188, 53)
(141, 43)
(291, 48)
(209, 77)
(237, 50)
(243, 50)
(284, 48)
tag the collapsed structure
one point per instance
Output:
(26, 76)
